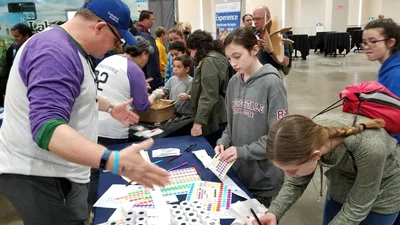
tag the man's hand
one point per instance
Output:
(121, 113)
(133, 166)
(148, 83)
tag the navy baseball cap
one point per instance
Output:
(115, 13)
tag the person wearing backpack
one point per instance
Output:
(209, 85)
(381, 40)
(362, 161)
(261, 15)
(255, 99)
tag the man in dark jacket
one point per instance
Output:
(152, 68)
(21, 33)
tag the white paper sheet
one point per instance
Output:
(116, 190)
(165, 152)
(159, 202)
(241, 211)
(107, 199)
(204, 158)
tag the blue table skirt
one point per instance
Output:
(107, 179)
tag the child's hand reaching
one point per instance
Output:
(219, 149)
(229, 154)
(184, 96)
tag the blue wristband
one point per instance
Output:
(116, 160)
(155, 93)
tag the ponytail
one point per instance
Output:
(348, 131)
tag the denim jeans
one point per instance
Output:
(332, 208)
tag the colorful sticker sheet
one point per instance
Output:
(215, 197)
(181, 181)
(220, 167)
(140, 198)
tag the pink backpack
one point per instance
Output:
(370, 99)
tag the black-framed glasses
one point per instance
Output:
(118, 41)
(371, 44)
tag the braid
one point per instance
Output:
(347, 131)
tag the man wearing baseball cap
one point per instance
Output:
(116, 14)
(48, 137)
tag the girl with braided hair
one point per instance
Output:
(363, 164)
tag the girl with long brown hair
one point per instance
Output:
(363, 164)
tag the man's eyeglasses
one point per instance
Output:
(118, 39)
(372, 44)
(258, 18)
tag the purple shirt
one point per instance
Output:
(52, 71)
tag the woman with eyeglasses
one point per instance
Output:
(381, 40)
(121, 77)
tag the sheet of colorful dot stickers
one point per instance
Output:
(220, 167)
(180, 181)
(216, 198)
(137, 195)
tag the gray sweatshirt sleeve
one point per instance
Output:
(277, 109)
(167, 87)
(367, 151)
(292, 190)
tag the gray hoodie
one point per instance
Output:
(252, 107)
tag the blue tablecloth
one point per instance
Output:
(107, 179)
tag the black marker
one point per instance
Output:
(255, 216)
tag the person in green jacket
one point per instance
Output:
(363, 164)
(209, 85)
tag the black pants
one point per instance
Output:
(214, 136)
(94, 172)
(46, 200)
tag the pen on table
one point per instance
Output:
(176, 167)
(156, 162)
(255, 216)
(197, 171)
(190, 149)
(175, 157)
(129, 183)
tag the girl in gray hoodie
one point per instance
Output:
(255, 99)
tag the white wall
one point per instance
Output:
(340, 16)
(390, 8)
(289, 13)
(328, 15)
(354, 7)
(188, 10)
(312, 12)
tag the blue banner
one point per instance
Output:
(226, 23)
(227, 18)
